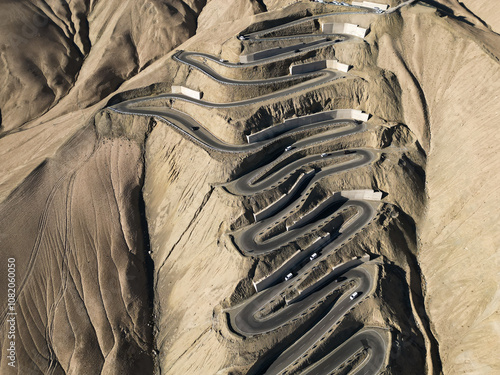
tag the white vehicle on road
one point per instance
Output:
(313, 256)
(288, 148)
(354, 295)
(289, 276)
(222, 60)
(324, 154)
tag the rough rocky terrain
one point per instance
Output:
(122, 228)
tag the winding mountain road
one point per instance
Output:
(327, 291)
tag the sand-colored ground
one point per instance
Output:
(459, 237)
(120, 228)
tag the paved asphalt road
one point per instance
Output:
(243, 319)
(192, 59)
(251, 183)
(247, 242)
(247, 324)
(314, 335)
(366, 212)
(370, 339)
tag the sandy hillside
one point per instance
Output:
(123, 227)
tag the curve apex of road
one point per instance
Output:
(346, 285)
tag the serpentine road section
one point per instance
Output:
(247, 240)
(244, 318)
(245, 322)
(314, 79)
(191, 59)
(326, 291)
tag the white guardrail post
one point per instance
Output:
(293, 123)
(186, 91)
(370, 4)
(343, 28)
(318, 65)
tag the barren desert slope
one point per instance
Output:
(142, 222)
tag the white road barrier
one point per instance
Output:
(318, 65)
(186, 91)
(277, 205)
(335, 64)
(289, 124)
(266, 53)
(277, 51)
(335, 272)
(262, 214)
(364, 195)
(343, 28)
(369, 4)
